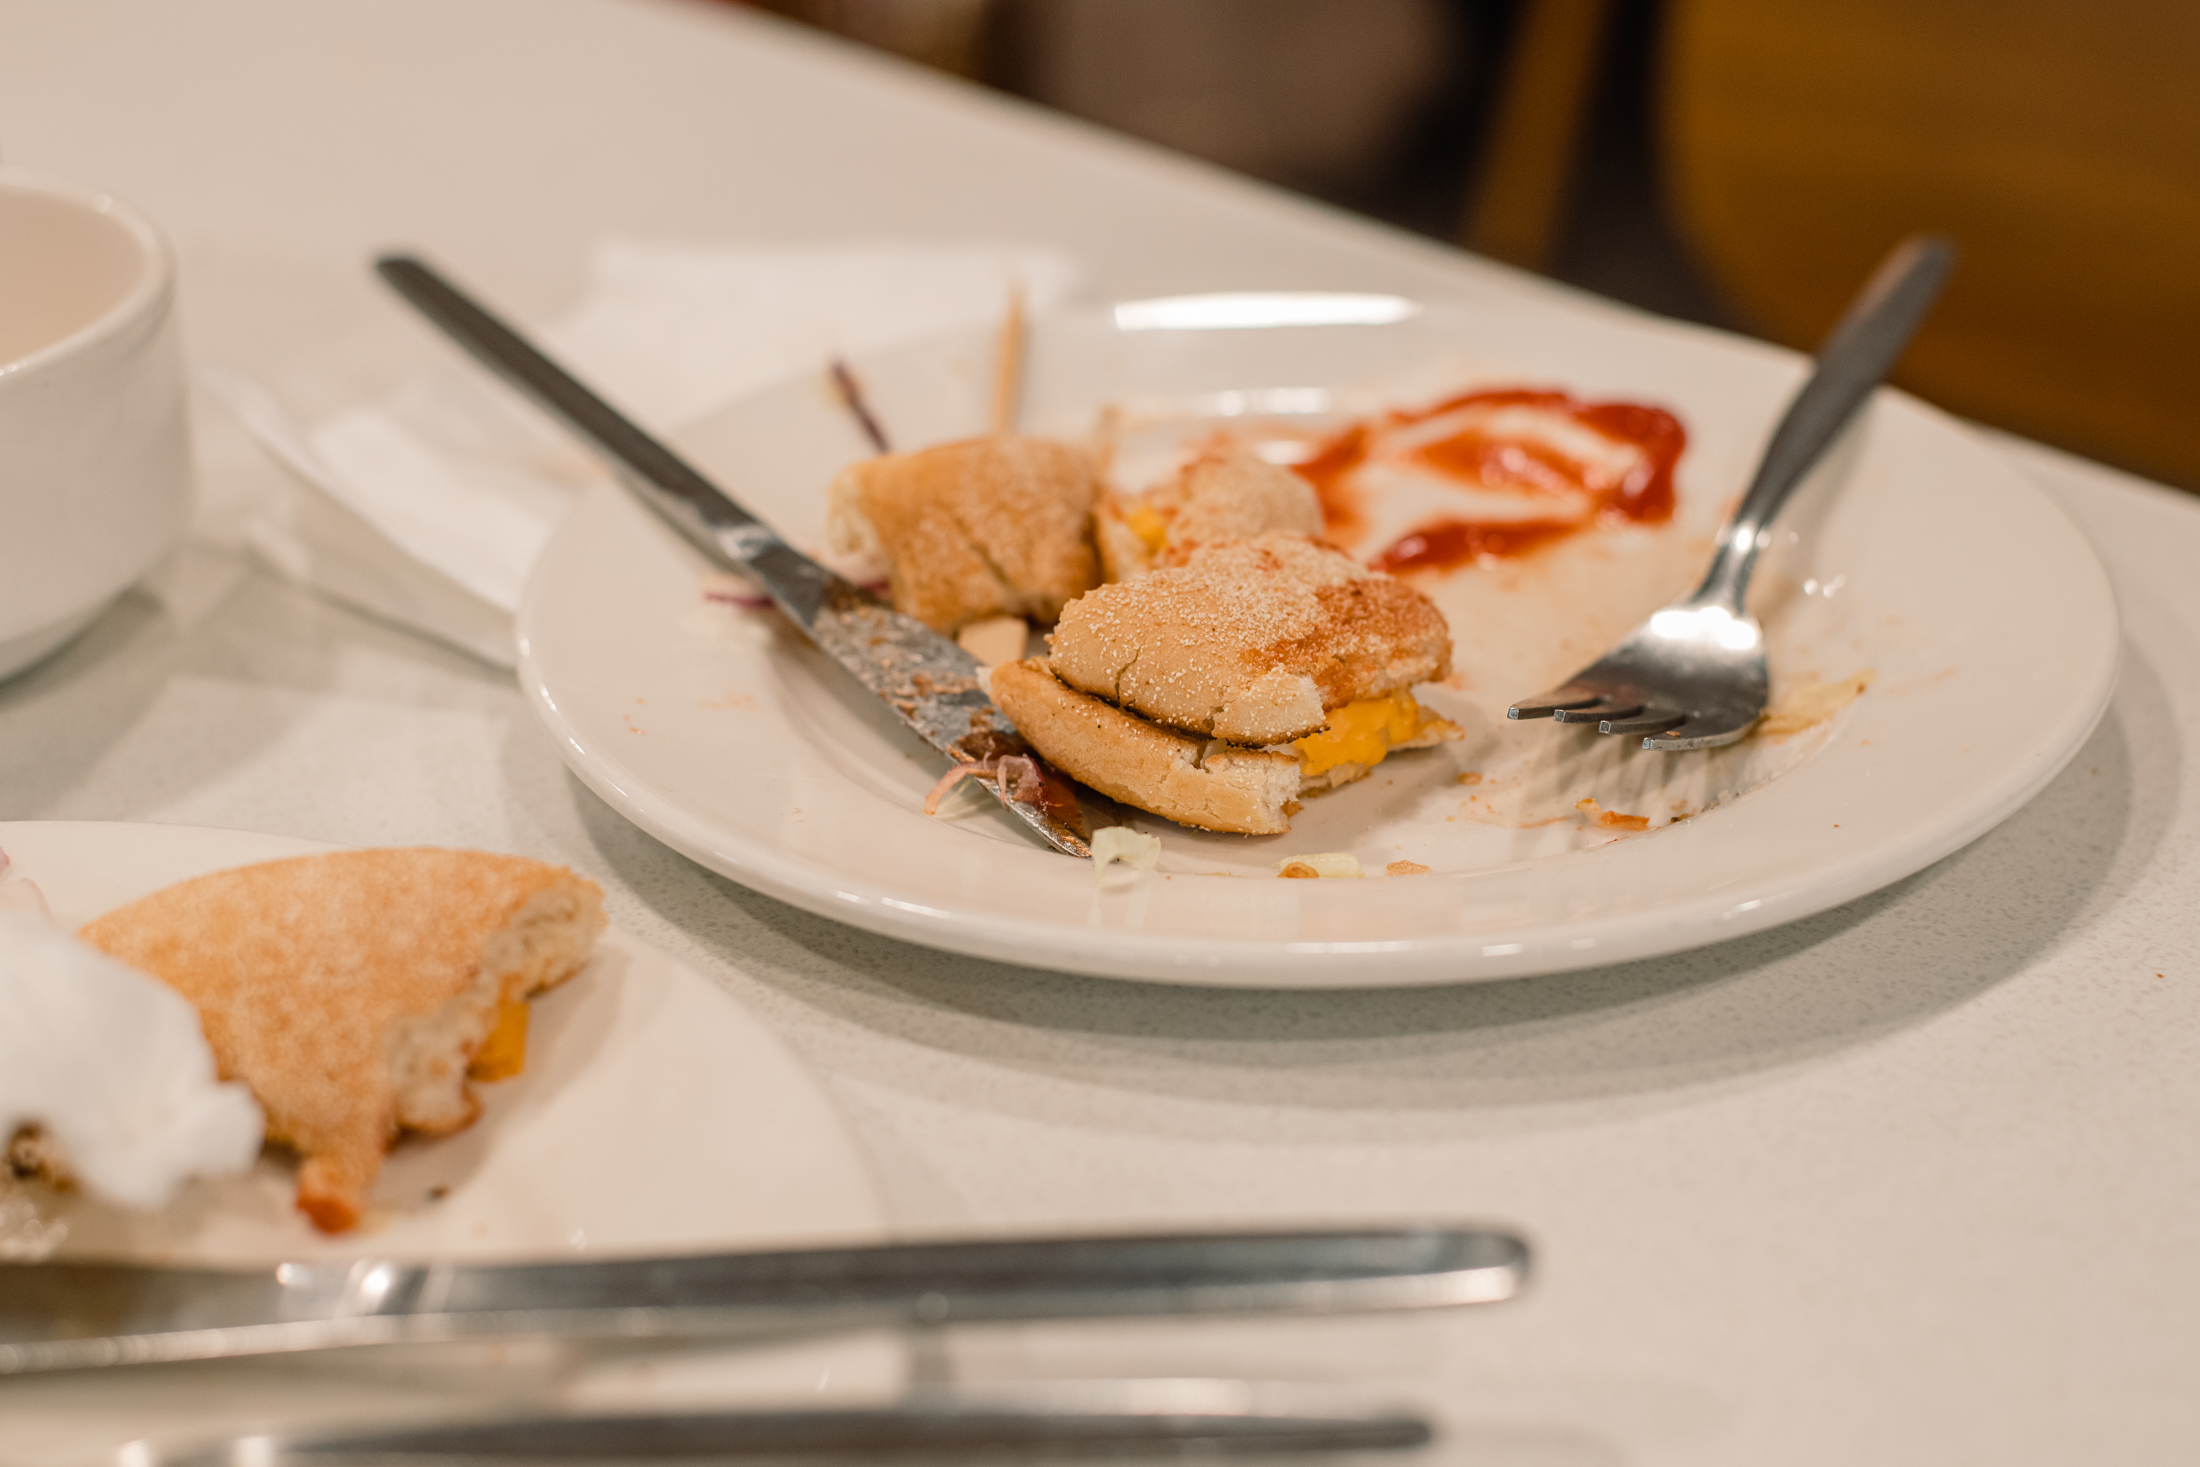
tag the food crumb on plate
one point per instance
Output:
(1326, 863)
(1405, 868)
(1120, 845)
(1612, 819)
(1810, 703)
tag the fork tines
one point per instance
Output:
(1613, 711)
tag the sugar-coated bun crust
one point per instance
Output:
(350, 990)
(1225, 493)
(1252, 641)
(1126, 758)
(998, 526)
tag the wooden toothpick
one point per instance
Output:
(1008, 363)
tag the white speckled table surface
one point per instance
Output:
(1911, 1181)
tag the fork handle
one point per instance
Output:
(1854, 359)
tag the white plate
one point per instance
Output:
(1917, 555)
(653, 1115)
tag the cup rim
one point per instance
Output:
(145, 298)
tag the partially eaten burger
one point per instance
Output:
(1217, 691)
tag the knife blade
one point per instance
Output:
(67, 1315)
(1058, 1420)
(929, 681)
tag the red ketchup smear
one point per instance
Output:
(1492, 461)
(1328, 470)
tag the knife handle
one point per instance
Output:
(1051, 1278)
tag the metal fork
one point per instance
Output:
(1693, 676)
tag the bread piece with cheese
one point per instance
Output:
(1189, 780)
(1251, 641)
(354, 991)
(998, 526)
(1224, 493)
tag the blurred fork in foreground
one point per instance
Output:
(1200, 1420)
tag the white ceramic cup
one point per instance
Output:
(95, 456)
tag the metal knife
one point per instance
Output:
(929, 681)
(1113, 1419)
(56, 1316)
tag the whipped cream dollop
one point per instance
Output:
(112, 1068)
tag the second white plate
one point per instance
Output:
(654, 1115)
(1918, 557)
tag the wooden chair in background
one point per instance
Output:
(1545, 93)
(2058, 143)
(1796, 140)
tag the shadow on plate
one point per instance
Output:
(1446, 1059)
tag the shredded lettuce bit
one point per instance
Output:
(1024, 771)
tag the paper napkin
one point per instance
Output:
(428, 508)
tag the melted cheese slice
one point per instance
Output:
(1363, 733)
(1149, 525)
(504, 1053)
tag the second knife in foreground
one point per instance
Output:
(56, 1316)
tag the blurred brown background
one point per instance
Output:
(1737, 162)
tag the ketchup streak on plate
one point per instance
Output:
(1474, 456)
